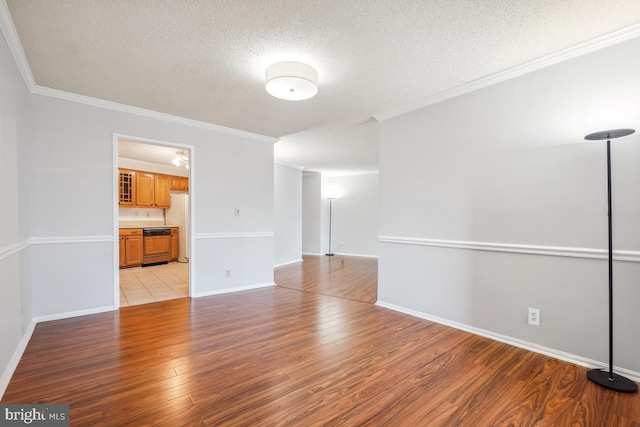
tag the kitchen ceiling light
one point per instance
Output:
(293, 81)
(181, 159)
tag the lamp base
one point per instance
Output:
(329, 254)
(618, 383)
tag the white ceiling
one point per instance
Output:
(205, 59)
(150, 153)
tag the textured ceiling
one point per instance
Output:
(205, 60)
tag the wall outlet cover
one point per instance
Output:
(534, 316)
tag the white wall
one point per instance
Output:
(508, 165)
(287, 214)
(13, 227)
(355, 214)
(312, 213)
(72, 195)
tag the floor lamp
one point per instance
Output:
(601, 377)
(330, 218)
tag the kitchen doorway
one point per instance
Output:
(153, 220)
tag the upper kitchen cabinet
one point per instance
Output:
(162, 189)
(145, 194)
(144, 189)
(180, 183)
(126, 184)
(152, 191)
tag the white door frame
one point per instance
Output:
(115, 198)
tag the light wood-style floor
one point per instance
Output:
(143, 285)
(285, 356)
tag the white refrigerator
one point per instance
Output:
(178, 215)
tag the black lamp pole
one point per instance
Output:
(330, 216)
(601, 377)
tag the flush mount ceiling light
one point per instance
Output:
(293, 81)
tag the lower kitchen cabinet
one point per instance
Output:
(174, 244)
(130, 247)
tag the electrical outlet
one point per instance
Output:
(534, 316)
(227, 273)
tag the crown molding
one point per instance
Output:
(290, 165)
(571, 52)
(343, 174)
(13, 40)
(11, 35)
(123, 108)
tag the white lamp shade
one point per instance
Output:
(293, 81)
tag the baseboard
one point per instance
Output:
(342, 254)
(357, 255)
(69, 314)
(231, 290)
(536, 348)
(295, 261)
(22, 345)
(15, 359)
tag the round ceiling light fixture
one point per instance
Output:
(293, 81)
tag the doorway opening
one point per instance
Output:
(153, 220)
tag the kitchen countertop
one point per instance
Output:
(149, 226)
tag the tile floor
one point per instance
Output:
(143, 285)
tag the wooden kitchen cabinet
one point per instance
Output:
(180, 183)
(147, 189)
(162, 191)
(145, 195)
(126, 184)
(122, 252)
(152, 191)
(174, 244)
(130, 247)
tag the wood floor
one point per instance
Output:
(283, 356)
(353, 278)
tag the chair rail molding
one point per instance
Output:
(242, 235)
(7, 251)
(57, 240)
(630, 256)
